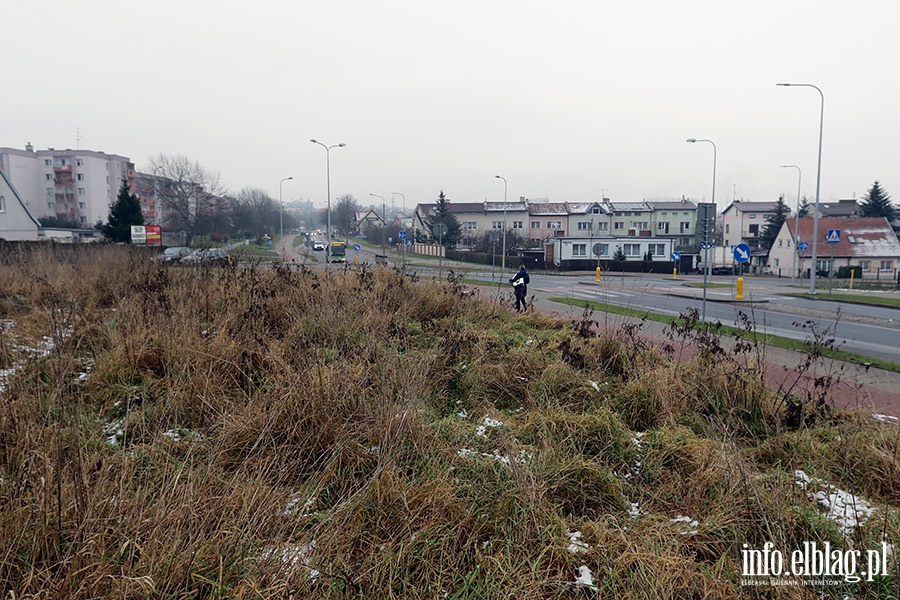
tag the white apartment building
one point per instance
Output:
(77, 185)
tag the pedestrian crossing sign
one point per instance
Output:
(834, 236)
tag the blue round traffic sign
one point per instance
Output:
(356, 247)
(803, 246)
(402, 234)
(676, 256)
(742, 253)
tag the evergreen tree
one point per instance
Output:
(123, 213)
(441, 214)
(877, 203)
(619, 254)
(773, 224)
(804, 211)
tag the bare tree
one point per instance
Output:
(255, 212)
(344, 214)
(191, 195)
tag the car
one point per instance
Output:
(217, 257)
(318, 245)
(723, 270)
(173, 255)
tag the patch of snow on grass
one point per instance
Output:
(846, 509)
(487, 422)
(692, 524)
(585, 578)
(575, 544)
(292, 555)
(887, 419)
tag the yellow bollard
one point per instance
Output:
(598, 275)
(740, 289)
(675, 273)
(852, 271)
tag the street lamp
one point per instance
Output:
(796, 223)
(815, 240)
(328, 186)
(281, 212)
(383, 224)
(403, 225)
(503, 258)
(707, 271)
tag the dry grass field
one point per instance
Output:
(276, 433)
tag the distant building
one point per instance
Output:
(868, 243)
(16, 221)
(74, 185)
(841, 208)
(743, 222)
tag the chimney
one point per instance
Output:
(29, 147)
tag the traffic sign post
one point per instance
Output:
(676, 256)
(833, 238)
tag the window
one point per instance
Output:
(595, 211)
(585, 227)
(657, 249)
(661, 226)
(779, 245)
(619, 225)
(2, 204)
(823, 265)
(49, 191)
(603, 249)
(640, 225)
(788, 243)
(727, 227)
(754, 229)
(79, 163)
(496, 224)
(864, 265)
(82, 205)
(535, 224)
(685, 226)
(887, 265)
(777, 261)
(80, 177)
(83, 219)
(518, 225)
(470, 225)
(632, 249)
(50, 206)
(664, 213)
(554, 224)
(47, 162)
(48, 177)
(81, 191)
(579, 249)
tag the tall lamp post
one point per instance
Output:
(707, 271)
(281, 212)
(815, 240)
(503, 258)
(796, 224)
(403, 225)
(383, 224)
(328, 187)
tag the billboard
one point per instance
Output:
(138, 234)
(154, 235)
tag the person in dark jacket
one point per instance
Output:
(520, 281)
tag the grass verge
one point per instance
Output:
(873, 300)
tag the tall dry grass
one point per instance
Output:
(275, 433)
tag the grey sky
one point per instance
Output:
(564, 99)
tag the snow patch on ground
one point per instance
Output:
(575, 544)
(689, 526)
(585, 578)
(485, 423)
(293, 555)
(844, 508)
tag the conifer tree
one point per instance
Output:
(773, 224)
(441, 214)
(877, 203)
(123, 213)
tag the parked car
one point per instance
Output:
(722, 270)
(174, 254)
(217, 257)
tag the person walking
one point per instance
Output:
(520, 281)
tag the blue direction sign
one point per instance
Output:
(402, 234)
(676, 256)
(834, 236)
(356, 247)
(803, 246)
(742, 253)
(705, 246)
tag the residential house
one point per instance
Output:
(841, 208)
(477, 218)
(868, 243)
(547, 220)
(630, 218)
(743, 222)
(562, 249)
(676, 219)
(16, 221)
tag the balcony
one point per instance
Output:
(62, 168)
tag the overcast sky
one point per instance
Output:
(567, 100)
